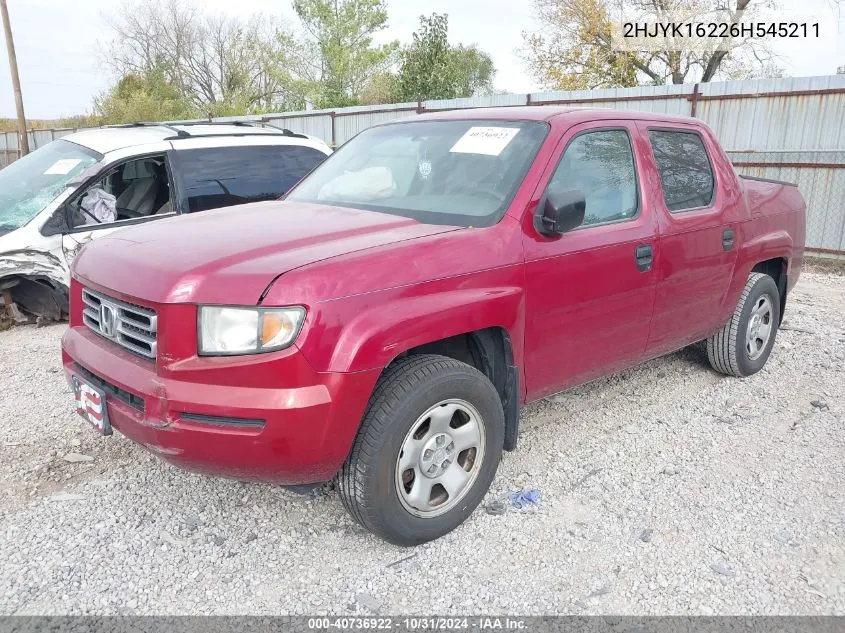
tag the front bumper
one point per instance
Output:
(286, 435)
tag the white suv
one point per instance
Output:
(90, 183)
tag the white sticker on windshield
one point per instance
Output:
(62, 166)
(485, 140)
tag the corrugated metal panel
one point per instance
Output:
(656, 99)
(486, 101)
(40, 138)
(822, 186)
(775, 122)
(316, 125)
(377, 107)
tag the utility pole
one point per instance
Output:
(23, 140)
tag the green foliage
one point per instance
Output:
(144, 97)
(338, 58)
(175, 60)
(432, 69)
(382, 88)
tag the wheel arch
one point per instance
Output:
(776, 268)
(490, 350)
(35, 280)
(768, 253)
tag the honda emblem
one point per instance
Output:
(108, 319)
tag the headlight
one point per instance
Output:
(228, 331)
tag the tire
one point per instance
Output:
(382, 484)
(731, 350)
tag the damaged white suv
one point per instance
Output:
(91, 183)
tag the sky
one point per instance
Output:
(61, 72)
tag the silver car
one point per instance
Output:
(91, 183)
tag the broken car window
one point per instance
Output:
(31, 183)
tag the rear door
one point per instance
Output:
(697, 243)
(590, 292)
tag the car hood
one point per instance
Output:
(230, 256)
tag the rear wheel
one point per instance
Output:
(427, 450)
(743, 345)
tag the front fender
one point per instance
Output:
(33, 264)
(378, 334)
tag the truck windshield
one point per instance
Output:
(461, 173)
(34, 181)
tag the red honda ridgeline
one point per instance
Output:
(384, 324)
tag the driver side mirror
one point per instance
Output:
(58, 223)
(561, 211)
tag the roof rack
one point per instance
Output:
(185, 134)
(169, 126)
(264, 124)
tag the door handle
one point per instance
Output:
(645, 257)
(728, 239)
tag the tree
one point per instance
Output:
(220, 65)
(337, 58)
(573, 51)
(147, 96)
(432, 69)
(382, 88)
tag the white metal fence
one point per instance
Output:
(790, 129)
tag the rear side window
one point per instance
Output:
(684, 167)
(600, 164)
(225, 176)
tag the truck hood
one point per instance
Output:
(230, 256)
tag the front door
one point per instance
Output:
(134, 191)
(590, 292)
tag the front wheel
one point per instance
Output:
(427, 450)
(743, 345)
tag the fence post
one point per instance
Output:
(333, 114)
(694, 101)
(528, 99)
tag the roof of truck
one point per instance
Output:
(549, 112)
(108, 139)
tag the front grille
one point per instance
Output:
(130, 326)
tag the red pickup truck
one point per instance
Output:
(385, 322)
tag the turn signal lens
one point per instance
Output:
(278, 327)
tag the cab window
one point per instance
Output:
(600, 165)
(685, 172)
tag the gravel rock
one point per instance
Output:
(722, 569)
(646, 535)
(368, 602)
(130, 534)
(77, 458)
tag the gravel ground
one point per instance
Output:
(666, 489)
